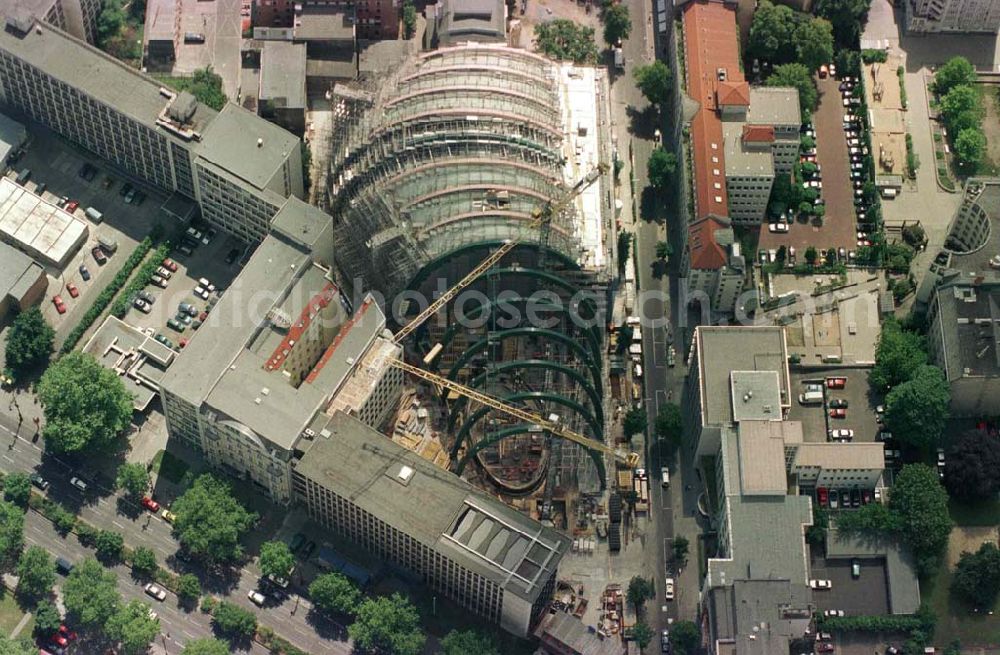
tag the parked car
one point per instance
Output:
(142, 305)
(830, 613)
(72, 290)
(147, 296)
(845, 498)
(150, 504)
(99, 256)
(187, 308)
(855, 568)
(201, 292)
(39, 481)
(78, 483)
(825, 647)
(256, 597)
(156, 591)
(838, 412)
(855, 497)
(841, 434)
(838, 402)
(63, 565)
(174, 324)
(60, 305)
(168, 516)
(165, 341)
(836, 383)
(158, 280)
(820, 584)
(84, 273)
(778, 227)
(823, 496)
(170, 265)
(668, 594)
(163, 272)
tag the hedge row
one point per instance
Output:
(901, 623)
(106, 296)
(141, 279)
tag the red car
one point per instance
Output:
(170, 265)
(182, 342)
(202, 316)
(823, 496)
(59, 640)
(73, 291)
(824, 647)
(99, 255)
(60, 305)
(71, 206)
(150, 504)
(66, 632)
(836, 383)
(839, 412)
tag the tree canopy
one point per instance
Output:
(685, 638)
(17, 488)
(921, 505)
(188, 587)
(565, 40)
(814, 42)
(972, 472)
(970, 145)
(388, 624)
(47, 618)
(957, 71)
(36, 573)
(640, 589)
(109, 544)
(276, 559)
(781, 35)
(642, 634)
(669, 424)
(635, 422)
(90, 594)
(133, 479)
(133, 627)
(466, 642)
(17, 646)
(333, 592)
(916, 410)
(205, 646)
(897, 357)
(11, 534)
(29, 342)
(206, 86)
(799, 77)
(617, 24)
(210, 521)
(655, 81)
(109, 21)
(848, 18)
(86, 405)
(661, 167)
(233, 620)
(977, 576)
(143, 561)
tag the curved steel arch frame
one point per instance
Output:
(594, 364)
(427, 268)
(595, 397)
(449, 333)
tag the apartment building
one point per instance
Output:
(280, 350)
(239, 168)
(930, 16)
(372, 19)
(716, 268)
(463, 544)
(77, 17)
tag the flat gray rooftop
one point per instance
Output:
(283, 73)
(16, 271)
(435, 507)
(139, 360)
(326, 23)
(970, 328)
(246, 145)
(773, 106)
(904, 587)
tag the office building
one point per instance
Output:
(22, 281)
(935, 16)
(36, 227)
(238, 167)
(138, 359)
(451, 22)
(460, 542)
(77, 17)
(281, 97)
(280, 350)
(372, 19)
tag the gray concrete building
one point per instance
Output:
(238, 167)
(931, 16)
(457, 21)
(282, 94)
(22, 281)
(460, 542)
(78, 17)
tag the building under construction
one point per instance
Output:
(433, 168)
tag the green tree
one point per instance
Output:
(640, 590)
(669, 424)
(11, 534)
(816, 533)
(661, 166)
(685, 638)
(963, 100)
(205, 646)
(869, 520)
(663, 250)
(233, 620)
(772, 32)
(210, 521)
(109, 545)
(333, 592)
(973, 469)
(276, 559)
(565, 40)
(86, 405)
(655, 81)
(133, 627)
(133, 479)
(17, 488)
(143, 561)
(47, 618)
(29, 342)
(206, 86)
(624, 243)
(17, 645)
(897, 357)
(847, 17)
(921, 505)
(680, 548)
(970, 146)
(409, 19)
(956, 72)
(814, 43)
(617, 24)
(110, 21)
(798, 77)
(977, 576)
(387, 624)
(188, 587)
(642, 634)
(466, 642)
(916, 410)
(90, 594)
(635, 422)
(35, 573)
(811, 256)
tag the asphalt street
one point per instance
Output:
(289, 617)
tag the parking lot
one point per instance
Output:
(860, 411)
(57, 164)
(867, 595)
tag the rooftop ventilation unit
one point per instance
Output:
(404, 475)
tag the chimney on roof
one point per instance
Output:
(260, 143)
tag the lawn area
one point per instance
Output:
(169, 466)
(11, 613)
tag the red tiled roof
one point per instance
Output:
(345, 328)
(733, 93)
(758, 133)
(711, 44)
(295, 331)
(706, 253)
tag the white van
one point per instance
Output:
(888, 193)
(811, 398)
(94, 215)
(637, 370)
(109, 245)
